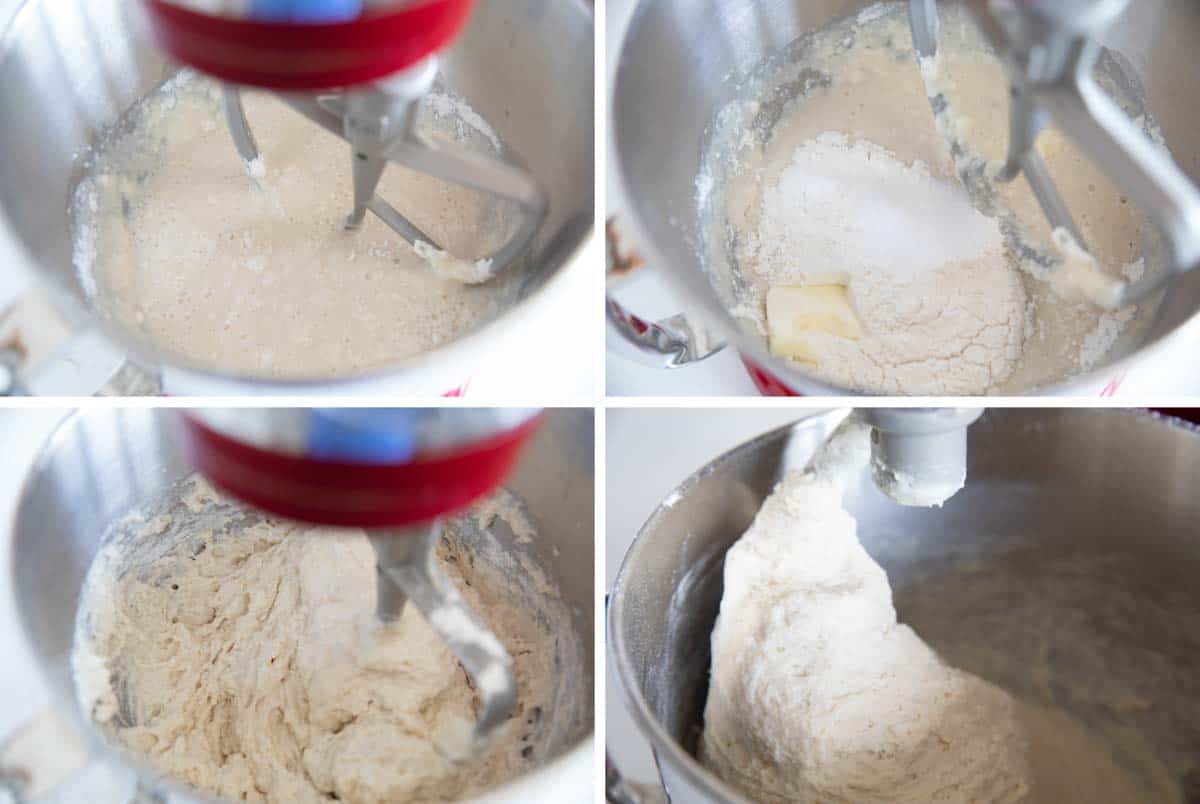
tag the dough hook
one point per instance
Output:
(395, 473)
(407, 571)
(1049, 50)
(358, 70)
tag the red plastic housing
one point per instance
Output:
(307, 57)
(766, 382)
(341, 494)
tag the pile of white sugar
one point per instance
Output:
(851, 204)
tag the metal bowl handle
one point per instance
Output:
(669, 343)
(47, 757)
(43, 353)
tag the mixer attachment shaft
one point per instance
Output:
(406, 570)
(1026, 122)
(1050, 50)
(379, 124)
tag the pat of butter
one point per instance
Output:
(1079, 278)
(796, 313)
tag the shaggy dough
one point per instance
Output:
(253, 271)
(244, 658)
(817, 694)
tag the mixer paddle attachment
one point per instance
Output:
(1049, 51)
(406, 570)
(379, 123)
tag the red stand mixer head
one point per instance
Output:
(358, 69)
(307, 56)
(397, 473)
(435, 481)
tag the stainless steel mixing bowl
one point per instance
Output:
(103, 463)
(71, 68)
(1065, 571)
(681, 62)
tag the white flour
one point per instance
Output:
(446, 107)
(817, 693)
(926, 272)
(1099, 342)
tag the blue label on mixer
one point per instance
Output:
(363, 435)
(305, 11)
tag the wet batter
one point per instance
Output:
(255, 274)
